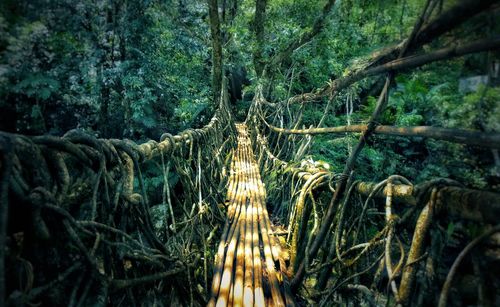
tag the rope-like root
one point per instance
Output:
(89, 202)
(443, 298)
(344, 252)
(5, 173)
(296, 223)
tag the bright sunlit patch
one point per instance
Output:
(249, 244)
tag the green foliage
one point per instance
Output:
(424, 97)
(467, 115)
(159, 217)
(189, 110)
(118, 68)
(37, 86)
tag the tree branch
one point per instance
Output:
(468, 204)
(117, 284)
(443, 297)
(400, 64)
(438, 26)
(469, 137)
(445, 22)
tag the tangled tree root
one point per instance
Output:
(377, 248)
(80, 208)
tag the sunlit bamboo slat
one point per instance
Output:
(248, 246)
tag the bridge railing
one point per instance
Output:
(298, 204)
(112, 216)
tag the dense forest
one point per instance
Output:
(373, 124)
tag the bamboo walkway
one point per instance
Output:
(248, 266)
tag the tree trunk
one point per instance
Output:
(213, 10)
(258, 24)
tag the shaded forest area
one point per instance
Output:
(375, 125)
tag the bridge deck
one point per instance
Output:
(248, 263)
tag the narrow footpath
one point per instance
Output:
(248, 264)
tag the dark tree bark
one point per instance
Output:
(213, 11)
(258, 24)
(106, 62)
(5, 169)
(229, 10)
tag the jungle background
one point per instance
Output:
(136, 69)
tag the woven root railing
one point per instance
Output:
(87, 221)
(387, 241)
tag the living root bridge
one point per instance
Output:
(249, 268)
